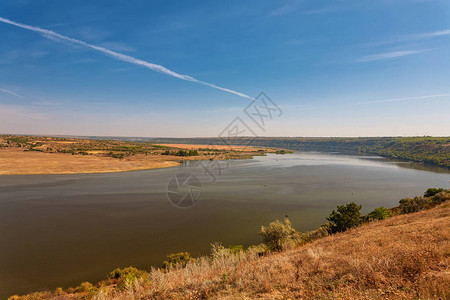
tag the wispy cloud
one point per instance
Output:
(123, 57)
(323, 10)
(6, 111)
(403, 99)
(293, 6)
(285, 9)
(389, 55)
(430, 34)
(414, 98)
(412, 37)
(11, 93)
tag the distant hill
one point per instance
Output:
(429, 150)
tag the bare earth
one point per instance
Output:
(16, 162)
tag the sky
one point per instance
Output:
(190, 68)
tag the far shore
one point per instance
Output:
(37, 163)
(16, 161)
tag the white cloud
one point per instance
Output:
(413, 98)
(388, 55)
(11, 93)
(123, 57)
(404, 99)
(412, 37)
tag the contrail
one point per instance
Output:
(404, 99)
(11, 93)
(123, 57)
(369, 102)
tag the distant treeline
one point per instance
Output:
(430, 150)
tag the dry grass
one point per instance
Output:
(16, 162)
(405, 257)
(24, 155)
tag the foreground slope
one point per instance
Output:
(404, 257)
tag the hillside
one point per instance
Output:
(402, 257)
(429, 150)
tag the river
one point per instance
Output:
(60, 230)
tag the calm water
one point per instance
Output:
(60, 230)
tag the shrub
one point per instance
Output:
(414, 205)
(320, 232)
(177, 259)
(127, 276)
(278, 234)
(441, 197)
(258, 250)
(380, 213)
(433, 191)
(236, 249)
(84, 287)
(126, 272)
(346, 216)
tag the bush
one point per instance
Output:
(278, 234)
(346, 216)
(408, 205)
(441, 197)
(236, 249)
(84, 287)
(126, 276)
(258, 250)
(177, 259)
(320, 232)
(380, 213)
(433, 191)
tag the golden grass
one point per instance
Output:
(17, 162)
(45, 155)
(405, 257)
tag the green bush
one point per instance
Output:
(408, 205)
(126, 272)
(441, 197)
(278, 234)
(433, 191)
(126, 276)
(346, 216)
(84, 287)
(318, 233)
(236, 249)
(380, 213)
(177, 259)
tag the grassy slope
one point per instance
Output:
(404, 257)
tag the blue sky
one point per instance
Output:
(335, 68)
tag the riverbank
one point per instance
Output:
(27, 155)
(379, 256)
(427, 150)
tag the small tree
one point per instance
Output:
(380, 213)
(278, 234)
(346, 216)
